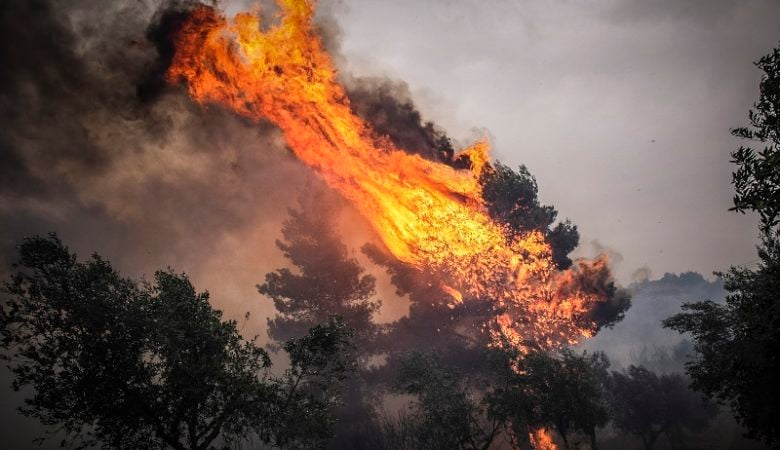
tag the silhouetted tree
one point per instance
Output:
(320, 362)
(757, 179)
(737, 343)
(118, 364)
(326, 281)
(567, 392)
(446, 413)
(648, 405)
(689, 411)
(521, 394)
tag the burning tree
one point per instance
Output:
(428, 215)
(483, 261)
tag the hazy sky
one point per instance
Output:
(621, 109)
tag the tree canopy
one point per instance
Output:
(757, 178)
(649, 405)
(511, 198)
(117, 363)
(325, 279)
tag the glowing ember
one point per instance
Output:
(427, 214)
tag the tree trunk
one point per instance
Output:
(648, 442)
(593, 445)
(565, 441)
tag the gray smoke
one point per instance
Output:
(95, 147)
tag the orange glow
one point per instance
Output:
(427, 214)
(541, 440)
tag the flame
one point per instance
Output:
(427, 214)
(541, 440)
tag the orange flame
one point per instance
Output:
(541, 440)
(427, 214)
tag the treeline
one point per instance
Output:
(118, 363)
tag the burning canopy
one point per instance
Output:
(429, 215)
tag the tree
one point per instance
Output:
(637, 404)
(648, 406)
(120, 364)
(446, 413)
(319, 362)
(737, 343)
(567, 392)
(688, 411)
(757, 179)
(325, 281)
(511, 199)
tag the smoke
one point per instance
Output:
(386, 104)
(95, 147)
(639, 338)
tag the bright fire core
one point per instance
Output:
(427, 214)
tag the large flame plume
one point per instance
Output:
(427, 214)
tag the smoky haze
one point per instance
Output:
(93, 147)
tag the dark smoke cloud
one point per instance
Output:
(94, 146)
(388, 106)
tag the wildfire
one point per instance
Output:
(427, 214)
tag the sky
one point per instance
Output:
(621, 109)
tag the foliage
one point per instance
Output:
(120, 364)
(568, 392)
(319, 362)
(738, 342)
(757, 179)
(648, 405)
(327, 281)
(511, 199)
(521, 394)
(445, 415)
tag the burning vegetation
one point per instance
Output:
(429, 215)
(483, 357)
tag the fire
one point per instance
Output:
(427, 214)
(541, 440)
